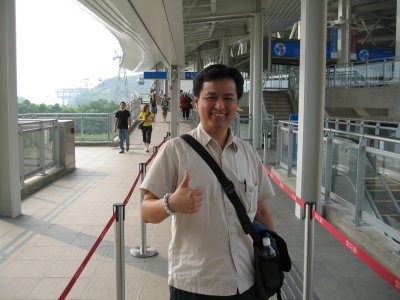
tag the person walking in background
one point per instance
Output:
(122, 122)
(210, 256)
(185, 106)
(164, 107)
(153, 103)
(147, 117)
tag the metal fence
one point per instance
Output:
(360, 172)
(38, 147)
(91, 127)
(383, 71)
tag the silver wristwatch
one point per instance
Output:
(166, 205)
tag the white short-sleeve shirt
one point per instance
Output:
(209, 253)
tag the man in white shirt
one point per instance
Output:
(210, 256)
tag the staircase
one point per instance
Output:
(278, 104)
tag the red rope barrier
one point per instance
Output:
(87, 258)
(357, 251)
(103, 233)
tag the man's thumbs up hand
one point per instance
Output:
(184, 199)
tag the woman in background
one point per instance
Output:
(147, 118)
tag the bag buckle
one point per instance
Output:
(228, 187)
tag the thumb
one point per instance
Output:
(186, 180)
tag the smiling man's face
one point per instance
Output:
(217, 104)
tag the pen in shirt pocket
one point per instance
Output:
(245, 186)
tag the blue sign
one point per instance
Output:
(155, 75)
(190, 75)
(334, 42)
(290, 49)
(285, 49)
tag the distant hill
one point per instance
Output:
(113, 90)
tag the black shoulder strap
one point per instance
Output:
(227, 185)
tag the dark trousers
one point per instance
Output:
(185, 112)
(146, 133)
(177, 294)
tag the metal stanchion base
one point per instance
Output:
(149, 252)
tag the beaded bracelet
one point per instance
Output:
(166, 205)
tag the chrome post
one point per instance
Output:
(279, 145)
(265, 148)
(360, 182)
(81, 126)
(42, 147)
(308, 251)
(56, 143)
(155, 149)
(21, 155)
(143, 251)
(328, 167)
(290, 150)
(119, 246)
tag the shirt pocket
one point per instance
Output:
(247, 192)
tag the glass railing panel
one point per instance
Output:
(49, 145)
(94, 129)
(382, 187)
(344, 171)
(31, 151)
(396, 71)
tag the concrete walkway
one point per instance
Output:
(41, 250)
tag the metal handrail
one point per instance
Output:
(365, 145)
(38, 147)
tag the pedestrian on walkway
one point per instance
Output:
(185, 103)
(165, 107)
(122, 122)
(147, 117)
(209, 254)
(153, 103)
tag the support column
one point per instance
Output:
(257, 80)
(269, 52)
(10, 195)
(199, 65)
(397, 53)
(344, 15)
(166, 84)
(251, 77)
(225, 50)
(311, 100)
(175, 85)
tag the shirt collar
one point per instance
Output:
(204, 138)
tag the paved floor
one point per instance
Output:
(41, 250)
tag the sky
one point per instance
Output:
(59, 45)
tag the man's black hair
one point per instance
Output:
(215, 72)
(122, 102)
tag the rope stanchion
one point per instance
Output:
(119, 247)
(78, 272)
(392, 279)
(143, 251)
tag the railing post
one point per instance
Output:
(143, 251)
(360, 182)
(290, 150)
(308, 251)
(41, 150)
(119, 246)
(328, 167)
(21, 156)
(279, 145)
(155, 149)
(56, 145)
